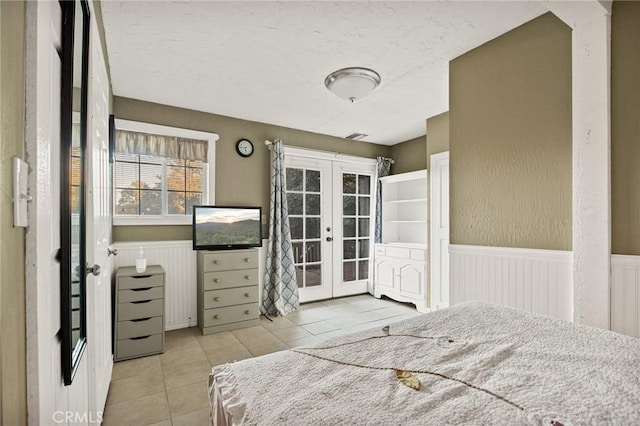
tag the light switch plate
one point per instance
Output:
(20, 196)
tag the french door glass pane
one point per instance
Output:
(349, 271)
(295, 224)
(356, 205)
(294, 179)
(364, 184)
(313, 227)
(349, 249)
(313, 204)
(349, 227)
(305, 207)
(294, 203)
(348, 205)
(313, 276)
(349, 183)
(312, 181)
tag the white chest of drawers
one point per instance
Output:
(139, 312)
(227, 290)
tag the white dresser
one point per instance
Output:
(227, 290)
(139, 312)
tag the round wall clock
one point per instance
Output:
(244, 147)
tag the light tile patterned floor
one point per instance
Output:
(170, 389)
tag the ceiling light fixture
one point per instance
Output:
(352, 83)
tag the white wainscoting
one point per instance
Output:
(625, 294)
(534, 280)
(179, 262)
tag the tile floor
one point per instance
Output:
(170, 388)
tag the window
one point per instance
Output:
(160, 173)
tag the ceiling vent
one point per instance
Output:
(356, 136)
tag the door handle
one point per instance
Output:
(95, 270)
(111, 251)
(329, 239)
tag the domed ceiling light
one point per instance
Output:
(352, 83)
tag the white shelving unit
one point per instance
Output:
(400, 264)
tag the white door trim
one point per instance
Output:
(439, 210)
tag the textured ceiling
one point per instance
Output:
(267, 61)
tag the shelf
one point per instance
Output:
(413, 200)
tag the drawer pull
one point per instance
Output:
(140, 338)
(141, 319)
(216, 262)
(246, 295)
(141, 289)
(216, 317)
(141, 301)
(216, 280)
(141, 276)
(247, 312)
(246, 259)
(247, 277)
(216, 299)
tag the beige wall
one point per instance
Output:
(437, 134)
(239, 181)
(510, 140)
(625, 128)
(13, 393)
(409, 156)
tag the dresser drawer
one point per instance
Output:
(228, 279)
(230, 314)
(230, 296)
(141, 281)
(139, 346)
(144, 293)
(138, 328)
(142, 309)
(222, 261)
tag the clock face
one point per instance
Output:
(244, 147)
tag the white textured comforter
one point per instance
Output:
(477, 364)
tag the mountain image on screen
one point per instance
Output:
(222, 233)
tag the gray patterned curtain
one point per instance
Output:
(383, 167)
(280, 295)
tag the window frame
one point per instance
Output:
(208, 172)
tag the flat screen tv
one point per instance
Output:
(226, 227)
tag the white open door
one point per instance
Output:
(439, 178)
(98, 228)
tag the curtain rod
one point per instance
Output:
(268, 143)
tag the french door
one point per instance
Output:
(330, 205)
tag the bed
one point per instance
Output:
(473, 363)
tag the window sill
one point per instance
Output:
(151, 220)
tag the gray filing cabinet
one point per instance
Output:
(139, 312)
(227, 290)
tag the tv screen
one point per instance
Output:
(226, 228)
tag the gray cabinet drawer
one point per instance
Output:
(136, 310)
(144, 293)
(141, 281)
(137, 328)
(230, 314)
(222, 261)
(230, 296)
(228, 279)
(139, 346)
